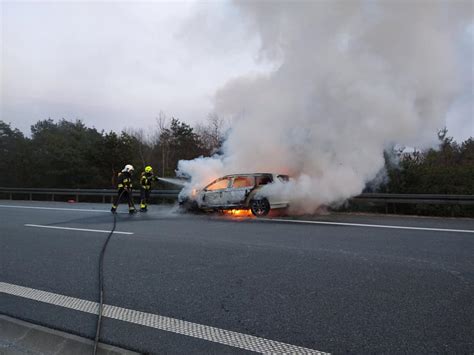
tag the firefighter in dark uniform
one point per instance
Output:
(146, 179)
(124, 189)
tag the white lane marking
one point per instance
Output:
(195, 330)
(76, 229)
(58, 209)
(366, 225)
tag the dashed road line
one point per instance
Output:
(76, 229)
(365, 225)
(273, 220)
(173, 325)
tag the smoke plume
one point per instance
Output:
(351, 78)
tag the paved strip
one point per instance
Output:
(366, 225)
(204, 332)
(58, 208)
(272, 220)
(20, 337)
(76, 229)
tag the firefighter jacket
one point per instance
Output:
(146, 180)
(124, 180)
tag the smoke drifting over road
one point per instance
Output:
(352, 77)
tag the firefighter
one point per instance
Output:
(124, 189)
(146, 179)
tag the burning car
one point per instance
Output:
(237, 192)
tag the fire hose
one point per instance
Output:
(101, 278)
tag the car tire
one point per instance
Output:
(189, 206)
(260, 207)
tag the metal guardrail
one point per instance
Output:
(382, 198)
(428, 199)
(75, 193)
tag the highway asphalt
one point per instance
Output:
(359, 285)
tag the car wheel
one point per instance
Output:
(260, 207)
(189, 206)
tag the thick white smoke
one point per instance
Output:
(353, 77)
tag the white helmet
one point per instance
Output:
(128, 169)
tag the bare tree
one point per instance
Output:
(162, 139)
(211, 134)
(143, 143)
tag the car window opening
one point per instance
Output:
(218, 185)
(243, 181)
(263, 180)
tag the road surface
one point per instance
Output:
(177, 283)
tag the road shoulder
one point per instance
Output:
(20, 337)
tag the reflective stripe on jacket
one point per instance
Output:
(124, 180)
(146, 180)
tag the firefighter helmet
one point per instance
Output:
(128, 168)
(148, 169)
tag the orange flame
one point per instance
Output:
(238, 213)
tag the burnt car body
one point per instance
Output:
(237, 191)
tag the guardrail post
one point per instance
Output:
(11, 196)
(52, 197)
(31, 196)
(103, 198)
(77, 198)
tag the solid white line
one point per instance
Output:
(76, 229)
(367, 225)
(178, 326)
(56, 208)
(59, 209)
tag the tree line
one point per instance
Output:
(68, 154)
(449, 169)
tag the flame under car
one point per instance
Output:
(237, 192)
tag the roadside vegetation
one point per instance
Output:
(68, 154)
(449, 170)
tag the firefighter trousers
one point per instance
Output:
(123, 194)
(144, 198)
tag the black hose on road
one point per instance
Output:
(101, 285)
(101, 280)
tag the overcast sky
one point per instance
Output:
(118, 64)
